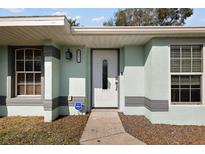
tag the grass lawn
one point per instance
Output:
(144, 130)
(32, 130)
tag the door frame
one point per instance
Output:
(91, 73)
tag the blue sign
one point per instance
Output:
(78, 106)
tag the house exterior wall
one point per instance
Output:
(73, 73)
(74, 79)
(144, 83)
(157, 86)
(134, 71)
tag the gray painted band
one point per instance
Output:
(50, 105)
(63, 100)
(51, 51)
(134, 101)
(152, 105)
(2, 100)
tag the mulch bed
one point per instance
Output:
(32, 130)
(141, 128)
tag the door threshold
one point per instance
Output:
(105, 110)
(105, 107)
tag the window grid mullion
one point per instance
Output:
(33, 75)
(15, 75)
(180, 59)
(25, 80)
(190, 88)
(179, 89)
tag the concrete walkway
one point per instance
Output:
(104, 127)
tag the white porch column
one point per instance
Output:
(48, 88)
(51, 82)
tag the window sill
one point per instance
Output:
(27, 97)
(186, 103)
(25, 101)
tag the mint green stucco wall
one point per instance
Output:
(55, 77)
(157, 65)
(133, 71)
(71, 71)
(3, 69)
(148, 70)
(122, 59)
(160, 71)
(156, 71)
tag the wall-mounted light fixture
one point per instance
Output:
(78, 55)
(68, 54)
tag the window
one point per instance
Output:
(28, 71)
(186, 58)
(186, 74)
(105, 74)
(186, 88)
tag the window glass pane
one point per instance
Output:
(175, 65)
(185, 81)
(175, 81)
(20, 54)
(20, 66)
(185, 95)
(29, 54)
(29, 89)
(196, 65)
(105, 74)
(20, 90)
(186, 51)
(37, 65)
(37, 54)
(38, 90)
(187, 62)
(29, 78)
(31, 60)
(175, 95)
(195, 95)
(196, 51)
(38, 78)
(20, 78)
(175, 51)
(186, 65)
(29, 65)
(195, 81)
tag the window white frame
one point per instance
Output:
(26, 72)
(187, 73)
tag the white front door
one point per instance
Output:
(104, 75)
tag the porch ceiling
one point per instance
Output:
(40, 30)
